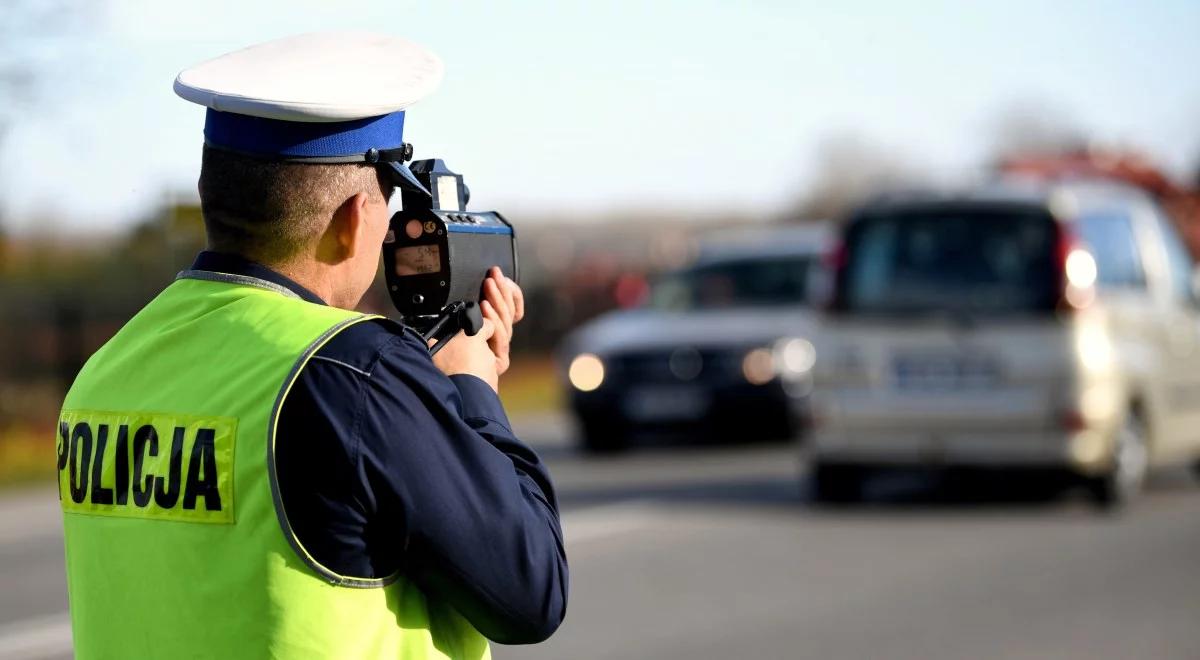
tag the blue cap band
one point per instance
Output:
(303, 140)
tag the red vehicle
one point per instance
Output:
(1182, 203)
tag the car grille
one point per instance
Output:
(655, 366)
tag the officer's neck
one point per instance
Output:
(327, 281)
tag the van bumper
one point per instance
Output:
(1085, 452)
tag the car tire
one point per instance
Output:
(603, 437)
(1122, 483)
(836, 483)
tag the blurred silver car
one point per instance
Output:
(1037, 325)
(721, 348)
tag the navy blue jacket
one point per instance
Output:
(385, 464)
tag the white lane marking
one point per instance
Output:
(50, 636)
(40, 637)
(609, 520)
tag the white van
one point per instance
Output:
(1050, 325)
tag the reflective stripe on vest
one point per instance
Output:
(176, 545)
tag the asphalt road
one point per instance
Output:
(715, 552)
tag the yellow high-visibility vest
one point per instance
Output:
(177, 545)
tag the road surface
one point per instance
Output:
(715, 552)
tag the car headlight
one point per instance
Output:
(758, 366)
(586, 372)
(794, 357)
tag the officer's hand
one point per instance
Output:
(503, 304)
(470, 355)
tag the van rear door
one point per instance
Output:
(945, 315)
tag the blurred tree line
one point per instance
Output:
(63, 296)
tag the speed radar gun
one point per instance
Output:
(437, 253)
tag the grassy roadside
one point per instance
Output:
(531, 386)
(27, 454)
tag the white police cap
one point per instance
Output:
(321, 97)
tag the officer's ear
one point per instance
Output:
(350, 224)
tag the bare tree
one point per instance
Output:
(1033, 127)
(850, 170)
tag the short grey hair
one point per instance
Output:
(270, 211)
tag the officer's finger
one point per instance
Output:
(500, 341)
(503, 334)
(512, 293)
(494, 300)
(518, 299)
(506, 287)
(494, 295)
(486, 330)
(494, 273)
(490, 313)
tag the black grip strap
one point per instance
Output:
(455, 317)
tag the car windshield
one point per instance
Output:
(777, 280)
(981, 260)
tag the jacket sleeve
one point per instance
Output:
(479, 516)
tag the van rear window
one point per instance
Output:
(984, 261)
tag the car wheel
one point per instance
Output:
(834, 484)
(603, 437)
(1122, 483)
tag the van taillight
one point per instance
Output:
(1075, 269)
(1072, 421)
(834, 263)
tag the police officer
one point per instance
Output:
(249, 468)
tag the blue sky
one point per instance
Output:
(592, 107)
